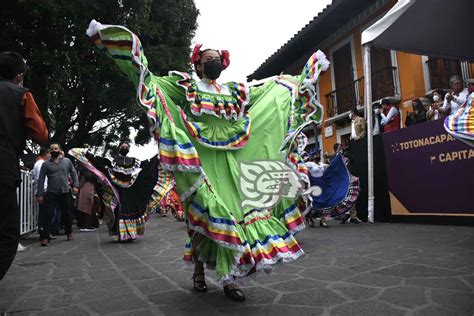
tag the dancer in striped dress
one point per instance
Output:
(460, 124)
(131, 189)
(208, 132)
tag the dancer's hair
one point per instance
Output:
(125, 141)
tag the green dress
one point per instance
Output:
(203, 136)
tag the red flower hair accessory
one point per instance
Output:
(196, 53)
(225, 61)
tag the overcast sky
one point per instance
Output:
(251, 30)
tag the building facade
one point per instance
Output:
(397, 76)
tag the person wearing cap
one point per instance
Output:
(455, 98)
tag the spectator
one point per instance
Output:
(357, 125)
(86, 215)
(20, 118)
(418, 115)
(351, 217)
(390, 117)
(455, 98)
(470, 87)
(57, 195)
(43, 155)
(433, 112)
(377, 128)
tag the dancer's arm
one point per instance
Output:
(100, 163)
(125, 49)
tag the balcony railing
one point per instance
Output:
(344, 99)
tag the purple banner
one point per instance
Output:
(429, 171)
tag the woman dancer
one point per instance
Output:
(337, 190)
(131, 189)
(204, 131)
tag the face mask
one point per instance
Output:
(212, 69)
(377, 111)
(54, 154)
(123, 151)
(436, 98)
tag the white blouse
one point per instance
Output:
(213, 88)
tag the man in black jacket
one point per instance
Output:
(20, 118)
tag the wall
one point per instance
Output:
(412, 84)
(325, 87)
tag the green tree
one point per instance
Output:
(82, 95)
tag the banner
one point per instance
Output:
(429, 171)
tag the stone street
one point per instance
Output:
(379, 269)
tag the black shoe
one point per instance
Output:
(356, 220)
(235, 294)
(199, 285)
(323, 224)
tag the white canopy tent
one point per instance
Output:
(437, 28)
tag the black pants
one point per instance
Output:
(9, 227)
(62, 203)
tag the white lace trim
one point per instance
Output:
(267, 265)
(297, 229)
(193, 188)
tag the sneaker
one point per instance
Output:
(88, 230)
(21, 247)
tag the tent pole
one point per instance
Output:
(370, 144)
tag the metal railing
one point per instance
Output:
(344, 99)
(27, 204)
(341, 100)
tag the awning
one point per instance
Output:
(436, 28)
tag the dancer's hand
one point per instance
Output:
(40, 199)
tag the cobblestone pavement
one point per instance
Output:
(379, 269)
